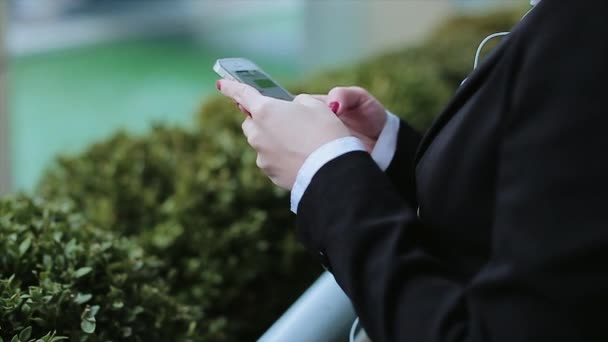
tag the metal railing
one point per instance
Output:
(322, 313)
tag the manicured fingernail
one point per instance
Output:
(334, 106)
(218, 85)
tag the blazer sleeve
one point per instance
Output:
(547, 277)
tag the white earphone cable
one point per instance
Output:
(495, 35)
(483, 43)
(353, 329)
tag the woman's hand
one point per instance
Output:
(359, 111)
(283, 133)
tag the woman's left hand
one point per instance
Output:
(283, 133)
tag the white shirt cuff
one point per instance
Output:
(316, 160)
(386, 145)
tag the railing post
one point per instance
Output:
(322, 313)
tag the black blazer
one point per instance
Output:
(511, 183)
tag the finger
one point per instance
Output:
(322, 98)
(334, 106)
(245, 95)
(345, 98)
(259, 162)
(248, 127)
(308, 100)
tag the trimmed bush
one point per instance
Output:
(62, 276)
(196, 201)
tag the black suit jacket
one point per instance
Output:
(511, 183)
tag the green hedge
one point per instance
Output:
(59, 273)
(196, 241)
(197, 203)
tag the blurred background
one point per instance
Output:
(73, 71)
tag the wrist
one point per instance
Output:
(316, 160)
(386, 144)
(383, 122)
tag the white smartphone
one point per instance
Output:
(245, 71)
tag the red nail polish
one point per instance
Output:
(334, 106)
(218, 85)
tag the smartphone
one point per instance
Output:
(245, 71)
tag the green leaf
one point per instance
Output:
(88, 322)
(25, 334)
(50, 337)
(82, 298)
(81, 272)
(15, 339)
(88, 326)
(57, 236)
(24, 246)
(125, 332)
(94, 310)
(70, 247)
(47, 261)
(118, 305)
(90, 312)
(58, 338)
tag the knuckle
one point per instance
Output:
(241, 93)
(247, 91)
(302, 98)
(251, 133)
(259, 162)
(362, 92)
(252, 139)
(261, 108)
(231, 89)
(275, 181)
(240, 87)
(337, 90)
(247, 127)
(244, 90)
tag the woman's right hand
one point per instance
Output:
(364, 116)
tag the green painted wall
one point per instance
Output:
(62, 101)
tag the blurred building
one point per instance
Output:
(81, 69)
(310, 32)
(42, 25)
(318, 34)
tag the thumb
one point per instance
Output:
(343, 99)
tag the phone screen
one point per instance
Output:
(262, 83)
